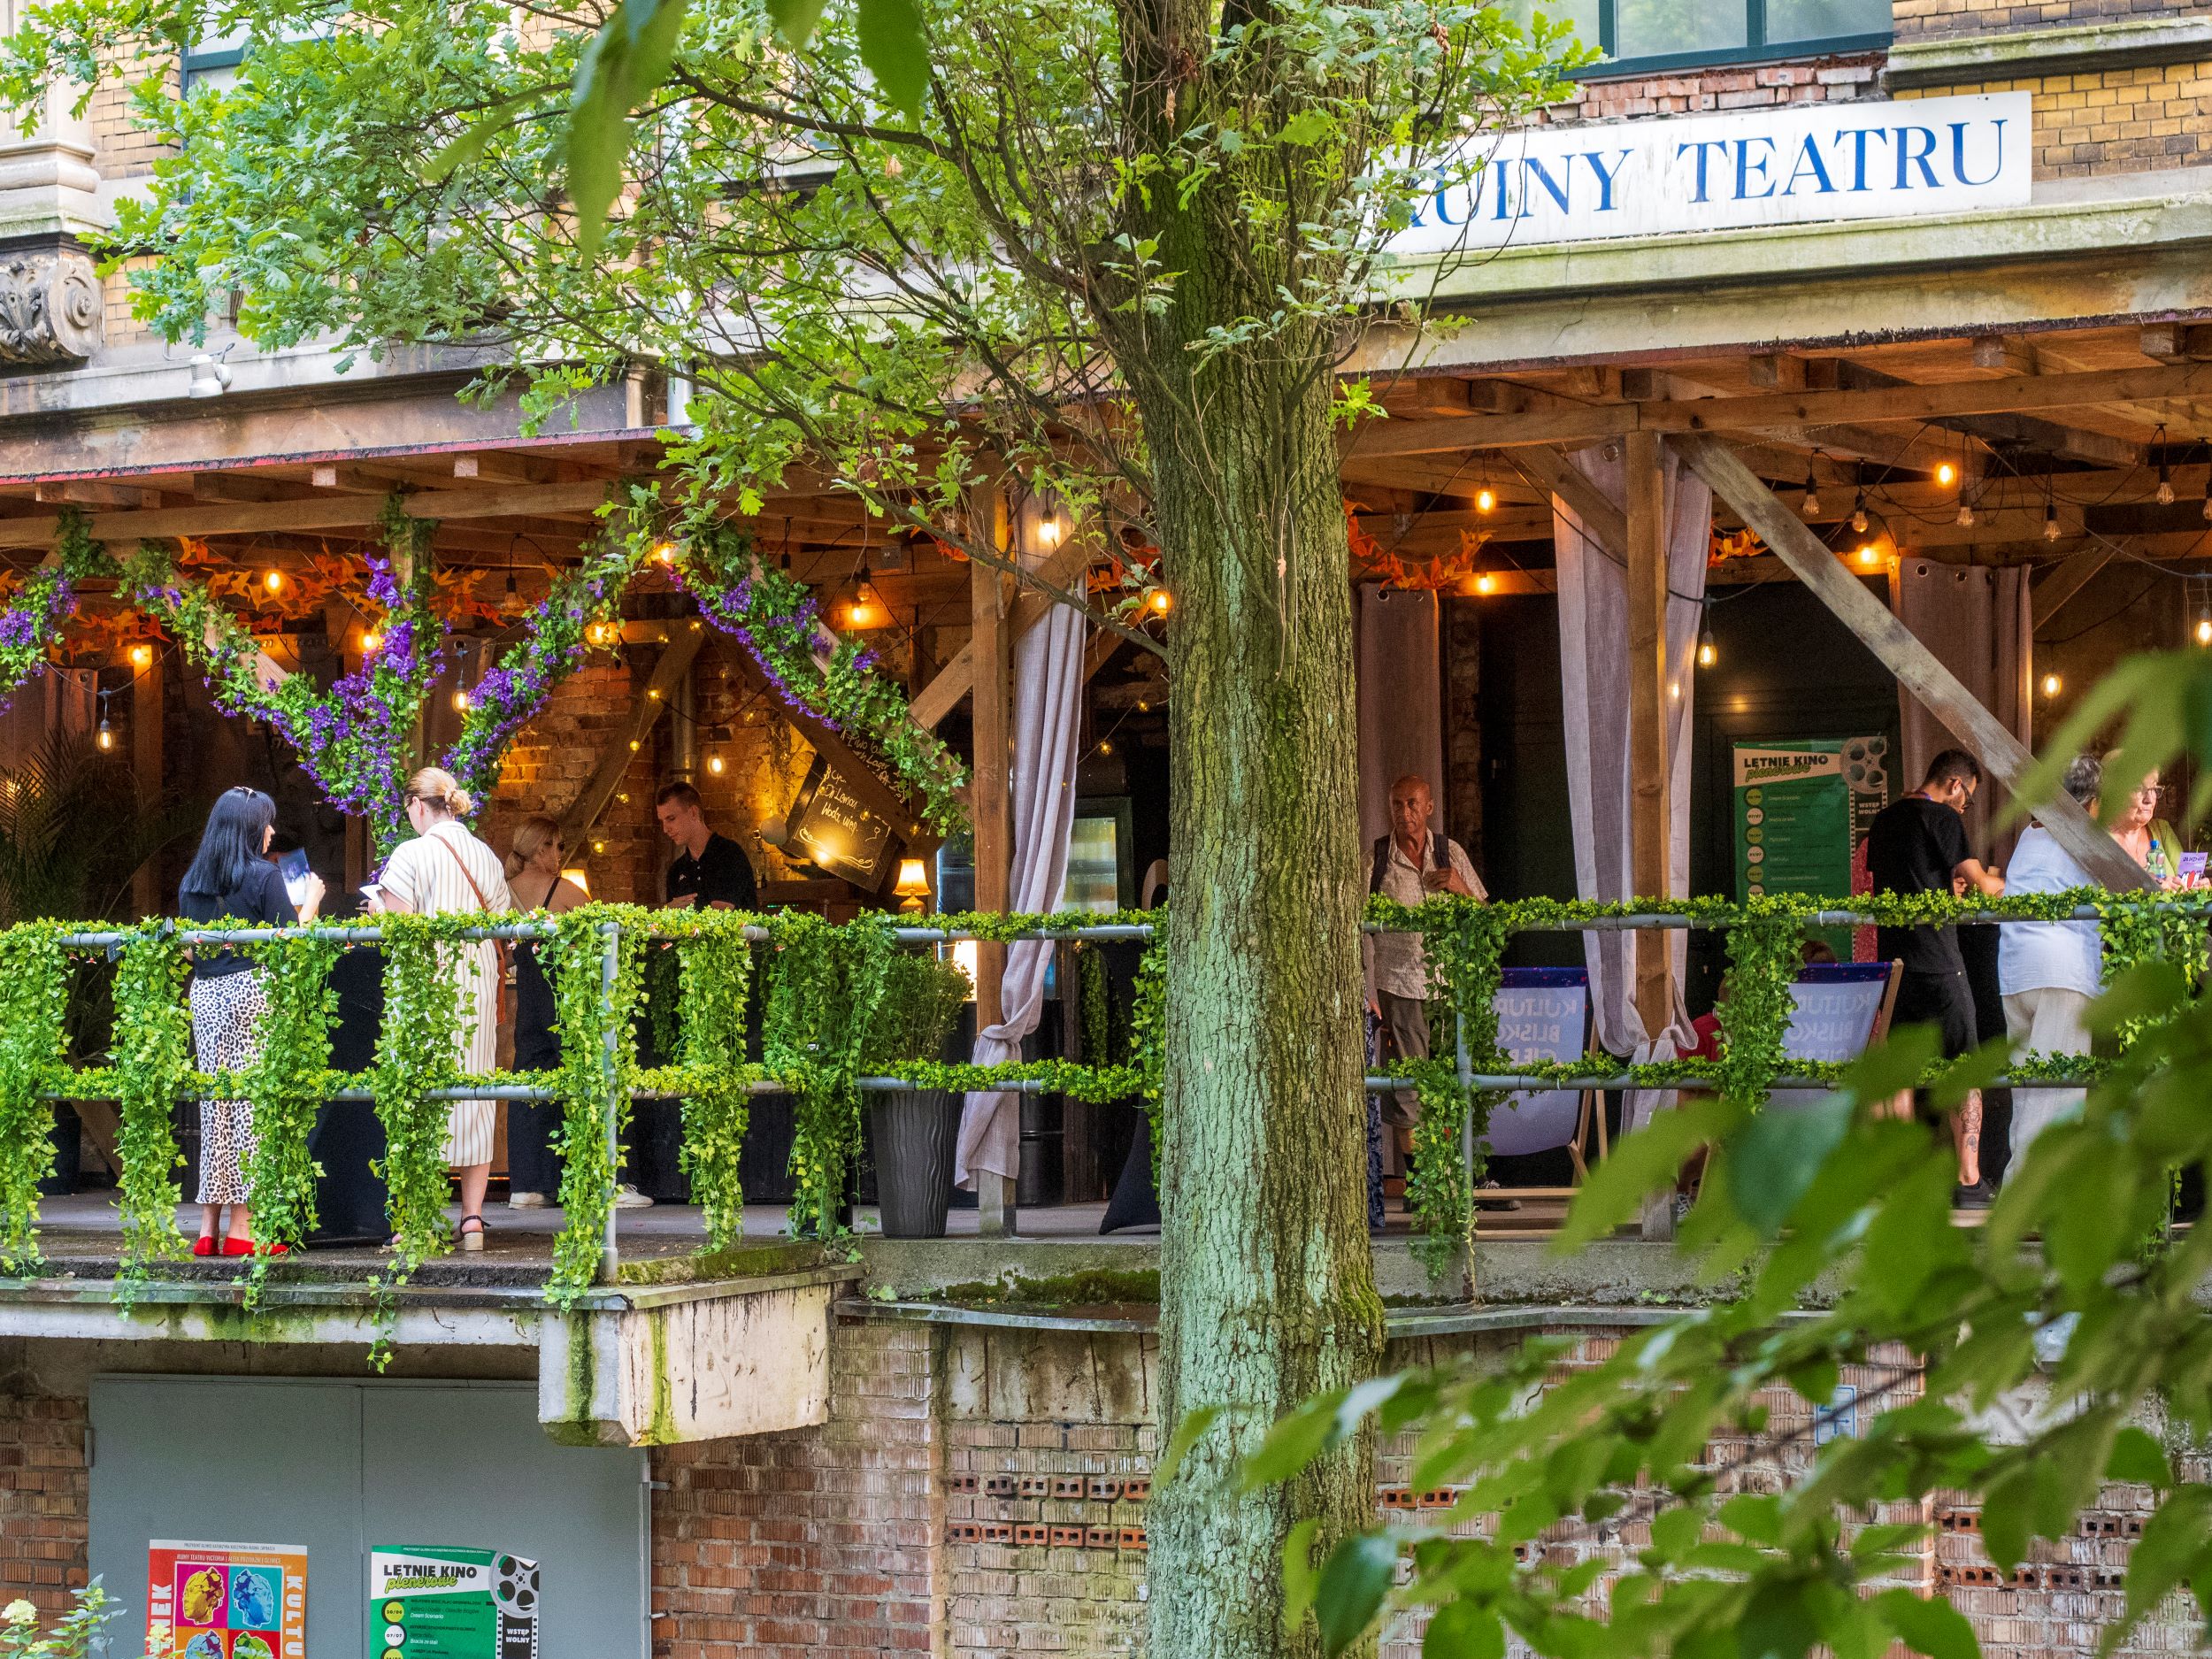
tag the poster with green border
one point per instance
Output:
(1800, 807)
(434, 1602)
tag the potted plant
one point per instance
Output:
(915, 1129)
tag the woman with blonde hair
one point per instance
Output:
(443, 871)
(535, 878)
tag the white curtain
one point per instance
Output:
(1400, 704)
(1048, 721)
(1595, 665)
(1979, 625)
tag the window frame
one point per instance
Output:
(1757, 49)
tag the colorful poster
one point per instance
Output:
(435, 1602)
(226, 1601)
(1802, 810)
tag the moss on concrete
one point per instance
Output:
(1091, 1288)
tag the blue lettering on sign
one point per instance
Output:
(1958, 153)
(1858, 152)
(1605, 174)
(1553, 187)
(1745, 167)
(1809, 161)
(1701, 146)
(1909, 156)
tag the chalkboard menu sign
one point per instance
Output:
(829, 828)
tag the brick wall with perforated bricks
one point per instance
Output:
(44, 1527)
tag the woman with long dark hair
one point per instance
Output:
(232, 877)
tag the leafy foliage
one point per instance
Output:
(34, 1058)
(150, 1070)
(287, 1084)
(596, 963)
(915, 1013)
(824, 993)
(71, 1636)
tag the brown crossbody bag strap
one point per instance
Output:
(500, 947)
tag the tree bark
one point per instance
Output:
(1266, 1272)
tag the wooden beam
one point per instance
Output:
(622, 747)
(146, 769)
(1782, 410)
(1915, 666)
(310, 513)
(1553, 472)
(1645, 545)
(943, 693)
(853, 768)
(2062, 581)
(991, 648)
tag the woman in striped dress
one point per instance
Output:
(443, 869)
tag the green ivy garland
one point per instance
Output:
(822, 996)
(33, 1060)
(1097, 1004)
(416, 1052)
(1148, 1040)
(585, 1012)
(151, 1068)
(716, 977)
(288, 1083)
(1463, 946)
(1757, 1006)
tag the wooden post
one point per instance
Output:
(1650, 819)
(1915, 666)
(989, 648)
(146, 695)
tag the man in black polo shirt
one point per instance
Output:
(1918, 845)
(709, 870)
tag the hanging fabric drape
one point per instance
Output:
(1048, 720)
(1401, 704)
(1979, 625)
(1594, 667)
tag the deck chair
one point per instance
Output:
(1842, 1009)
(1543, 1014)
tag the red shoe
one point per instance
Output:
(247, 1246)
(204, 1245)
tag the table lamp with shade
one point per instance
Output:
(912, 886)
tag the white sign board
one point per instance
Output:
(1706, 173)
(1537, 1023)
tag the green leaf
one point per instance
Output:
(1753, 1517)
(895, 49)
(1308, 126)
(1352, 1587)
(2136, 1456)
(1932, 1627)
(1460, 1629)
(2173, 1544)
(472, 143)
(1187, 1434)
(1645, 1162)
(627, 60)
(1775, 1624)
(1294, 1442)
(1778, 1153)
(794, 19)
(1299, 1579)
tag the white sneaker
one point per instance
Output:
(526, 1201)
(628, 1197)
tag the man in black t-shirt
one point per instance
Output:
(711, 870)
(1918, 845)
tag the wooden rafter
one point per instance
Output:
(312, 513)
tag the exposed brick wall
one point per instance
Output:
(555, 754)
(44, 1525)
(1949, 19)
(121, 147)
(1725, 86)
(2119, 120)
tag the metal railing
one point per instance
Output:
(110, 940)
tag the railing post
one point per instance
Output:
(610, 965)
(1466, 1087)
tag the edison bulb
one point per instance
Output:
(272, 580)
(1486, 498)
(1869, 553)
(2051, 684)
(1946, 474)
(142, 657)
(1486, 583)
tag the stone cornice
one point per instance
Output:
(1968, 60)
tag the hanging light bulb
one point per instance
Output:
(2050, 521)
(371, 642)
(1858, 514)
(1486, 583)
(664, 553)
(1050, 529)
(1486, 498)
(1966, 513)
(1946, 474)
(1811, 503)
(1708, 653)
(2165, 484)
(461, 702)
(2052, 685)
(1869, 553)
(512, 589)
(273, 581)
(106, 734)
(714, 765)
(142, 657)
(2204, 625)
(1160, 601)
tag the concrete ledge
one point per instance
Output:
(1084, 1271)
(2127, 44)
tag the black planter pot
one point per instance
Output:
(916, 1132)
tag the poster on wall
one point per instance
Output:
(226, 1601)
(1802, 808)
(434, 1601)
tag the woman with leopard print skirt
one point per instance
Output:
(232, 877)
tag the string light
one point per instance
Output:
(107, 731)
(2204, 625)
(1869, 553)
(1159, 601)
(1050, 529)
(1946, 474)
(2050, 521)
(371, 641)
(714, 765)
(1486, 499)
(461, 702)
(2051, 684)
(1486, 583)
(665, 552)
(273, 581)
(1811, 503)
(1966, 513)
(1708, 652)
(142, 657)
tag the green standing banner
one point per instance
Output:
(1801, 808)
(436, 1602)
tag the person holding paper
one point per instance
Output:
(2049, 971)
(231, 878)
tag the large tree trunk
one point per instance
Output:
(1267, 1279)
